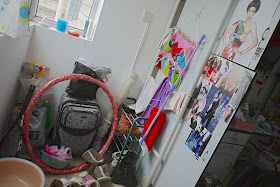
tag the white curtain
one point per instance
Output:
(14, 18)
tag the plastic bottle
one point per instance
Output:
(48, 118)
(39, 69)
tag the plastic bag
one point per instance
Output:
(31, 79)
(82, 88)
(63, 153)
(37, 127)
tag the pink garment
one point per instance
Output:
(183, 42)
(63, 153)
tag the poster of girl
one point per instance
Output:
(245, 28)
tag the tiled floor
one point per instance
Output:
(50, 177)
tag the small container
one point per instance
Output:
(54, 161)
(61, 25)
(38, 68)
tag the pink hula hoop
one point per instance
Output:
(25, 126)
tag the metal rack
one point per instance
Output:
(123, 142)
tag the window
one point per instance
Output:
(80, 14)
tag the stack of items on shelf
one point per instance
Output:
(126, 120)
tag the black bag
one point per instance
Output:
(82, 88)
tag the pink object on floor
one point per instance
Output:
(16, 172)
(63, 153)
(91, 182)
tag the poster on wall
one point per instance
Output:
(245, 29)
(219, 91)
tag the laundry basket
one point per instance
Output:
(54, 161)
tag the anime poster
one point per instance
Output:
(245, 29)
(222, 73)
(219, 91)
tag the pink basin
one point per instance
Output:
(16, 172)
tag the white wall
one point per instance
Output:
(115, 44)
(12, 55)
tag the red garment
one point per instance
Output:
(158, 63)
(156, 130)
(175, 49)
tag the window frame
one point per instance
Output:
(95, 13)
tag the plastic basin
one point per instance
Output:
(17, 172)
(54, 161)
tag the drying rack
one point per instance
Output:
(128, 142)
(123, 141)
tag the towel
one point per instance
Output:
(147, 92)
(155, 131)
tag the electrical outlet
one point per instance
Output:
(147, 16)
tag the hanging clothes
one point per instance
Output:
(158, 97)
(181, 42)
(148, 91)
(155, 131)
(175, 102)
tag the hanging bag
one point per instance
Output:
(80, 88)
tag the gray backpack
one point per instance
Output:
(77, 123)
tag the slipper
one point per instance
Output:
(93, 156)
(89, 181)
(57, 183)
(117, 154)
(76, 182)
(91, 168)
(102, 173)
(114, 163)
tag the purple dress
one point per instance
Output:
(159, 96)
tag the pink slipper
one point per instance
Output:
(91, 182)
